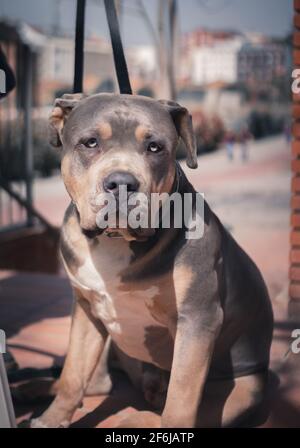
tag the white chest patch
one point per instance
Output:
(123, 312)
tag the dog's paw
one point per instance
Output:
(33, 423)
(37, 423)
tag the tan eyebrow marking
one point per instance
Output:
(141, 132)
(105, 131)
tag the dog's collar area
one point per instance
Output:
(177, 177)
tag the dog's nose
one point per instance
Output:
(112, 182)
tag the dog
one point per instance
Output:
(190, 319)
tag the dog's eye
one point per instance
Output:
(154, 147)
(91, 143)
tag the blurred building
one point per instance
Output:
(204, 37)
(231, 57)
(216, 62)
(142, 62)
(57, 59)
(208, 56)
(15, 40)
(261, 62)
(57, 64)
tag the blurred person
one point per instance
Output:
(244, 138)
(229, 143)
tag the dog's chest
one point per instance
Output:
(125, 309)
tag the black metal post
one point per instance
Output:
(172, 43)
(117, 46)
(79, 47)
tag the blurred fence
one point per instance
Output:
(12, 155)
(19, 45)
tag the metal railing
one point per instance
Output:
(12, 213)
(15, 141)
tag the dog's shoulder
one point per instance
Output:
(208, 245)
(203, 252)
(72, 241)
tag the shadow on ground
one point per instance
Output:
(35, 312)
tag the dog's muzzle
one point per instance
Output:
(117, 179)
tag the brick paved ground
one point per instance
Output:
(251, 198)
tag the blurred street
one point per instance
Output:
(252, 199)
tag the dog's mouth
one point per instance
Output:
(128, 234)
(122, 219)
(129, 218)
(120, 225)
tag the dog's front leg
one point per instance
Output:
(87, 340)
(199, 322)
(191, 359)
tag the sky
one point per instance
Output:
(271, 17)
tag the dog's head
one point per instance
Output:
(111, 140)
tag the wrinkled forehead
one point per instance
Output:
(118, 115)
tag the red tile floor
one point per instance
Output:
(35, 311)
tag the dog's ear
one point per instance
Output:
(184, 126)
(62, 108)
